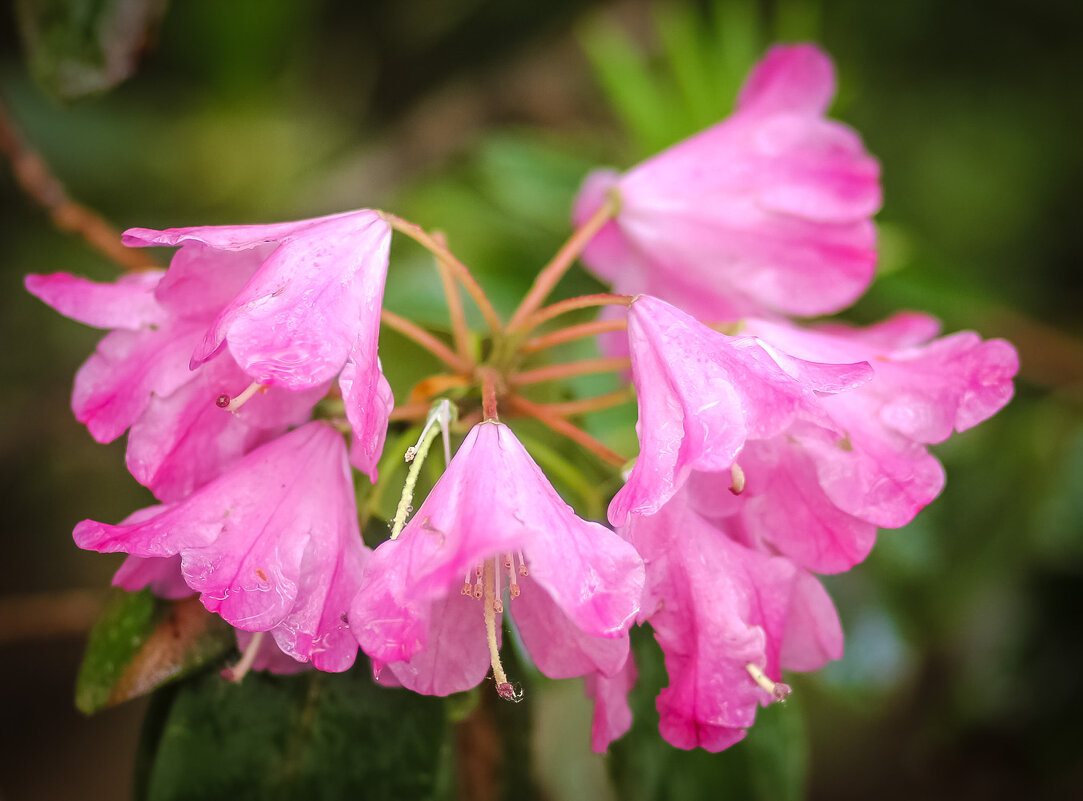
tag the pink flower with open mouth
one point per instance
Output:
(318, 284)
(139, 379)
(296, 304)
(431, 600)
(702, 394)
(729, 618)
(767, 212)
(272, 545)
(817, 492)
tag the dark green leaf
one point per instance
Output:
(311, 736)
(142, 642)
(82, 47)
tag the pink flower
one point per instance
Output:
(728, 619)
(493, 520)
(139, 379)
(766, 212)
(817, 491)
(296, 303)
(317, 286)
(271, 545)
(829, 489)
(702, 394)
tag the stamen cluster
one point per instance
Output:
(770, 450)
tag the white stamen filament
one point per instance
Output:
(522, 565)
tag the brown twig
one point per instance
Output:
(37, 180)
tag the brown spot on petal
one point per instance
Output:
(261, 574)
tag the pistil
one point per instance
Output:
(223, 401)
(237, 672)
(504, 687)
(776, 689)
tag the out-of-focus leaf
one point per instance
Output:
(768, 765)
(636, 94)
(82, 47)
(313, 735)
(142, 642)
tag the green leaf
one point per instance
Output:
(83, 47)
(636, 93)
(313, 735)
(141, 642)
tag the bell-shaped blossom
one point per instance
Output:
(766, 212)
(271, 545)
(318, 287)
(139, 379)
(494, 521)
(923, 390)
(729, 618)
(702, 394)
(296, 303)
(817, 492)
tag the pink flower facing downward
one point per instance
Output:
(309, 306)
(818, 492)
(728, 618)
(429, 605)
(139, 379)
(272, 545)
(702, 394)
(766, 212)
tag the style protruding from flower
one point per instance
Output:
(729, 618)
(429, 603)
(767, 212)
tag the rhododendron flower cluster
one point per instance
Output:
(770, 449)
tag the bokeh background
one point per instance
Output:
(479, 118)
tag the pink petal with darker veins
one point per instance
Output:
(184, 440)
(295, 321)
(765, 213)
(717, 607)
(702, 394)
(493, 501)
(129, 303)
(268, 544)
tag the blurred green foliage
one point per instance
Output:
(959, 679)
